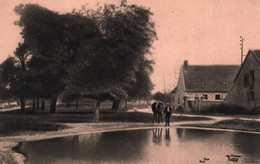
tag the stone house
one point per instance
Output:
(246, 84)
(202, 85)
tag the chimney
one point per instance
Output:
(185, 65)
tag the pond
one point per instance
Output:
(158, 145)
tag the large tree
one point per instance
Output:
(143, 86)
(54, 41)
(41, 31)
(8, 76)
(128, 33)
(93, 52)
(13, 77)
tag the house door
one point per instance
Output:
(251, 100)
(189, 104)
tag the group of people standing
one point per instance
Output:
(158, 111)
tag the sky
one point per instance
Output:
(204, 32)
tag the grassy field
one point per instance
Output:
(14, 122)
(234, 124)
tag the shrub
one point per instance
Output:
(255, 110)
(225, 109)
(180, 109)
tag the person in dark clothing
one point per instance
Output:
(160, 112)
(155, 112)
(168, 113)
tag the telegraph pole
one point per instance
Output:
(241, 47)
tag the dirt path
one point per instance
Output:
(10, 109)
(218, 118)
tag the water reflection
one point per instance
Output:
(75, 140)
(194, 134)
(97, 147)
(167, 137)
(157, 136)
(180, 132)
(121, 146)
(249, 145)
(158, 145)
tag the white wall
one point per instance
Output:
(211, 95)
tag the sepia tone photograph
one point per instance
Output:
(129, 81)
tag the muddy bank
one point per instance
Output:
(15, 156)
(9, 148)
(231, 124)
(16, 127)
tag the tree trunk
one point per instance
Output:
(43, 105)
(96, 118)
(33, 107)
(115, 105)
(37, 103)
(126, 103)
(53, 104)
(77, 105)
(22, 100)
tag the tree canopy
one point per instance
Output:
(100, 53)
(127, 34)
(159, 96)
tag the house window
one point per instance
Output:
(205, 96)
(246, 80)
(252, 78)
(217, 97)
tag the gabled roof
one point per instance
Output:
(255, 54)
(174, 90)
(214, 78)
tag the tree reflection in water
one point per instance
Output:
(112, 147)
(145, 146)
(196, 134)
(180, 132)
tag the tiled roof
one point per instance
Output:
(215, 78)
